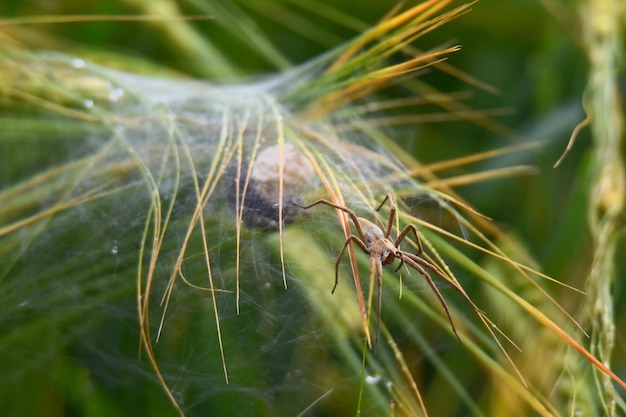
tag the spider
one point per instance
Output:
(383, 251)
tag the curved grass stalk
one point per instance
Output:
(603, 101)
(329, 180)
(158, 222)
(280, 141)
(208, 188)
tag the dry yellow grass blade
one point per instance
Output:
(45, 20)
(280, 141)
(329, 181)
(475, 178)
(391, 35)
(379, 79)
(419, 13)
(570, 143)
(470, 159)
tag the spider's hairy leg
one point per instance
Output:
(392, 213)
(351, 213)
(343, 248)
(410, 228)
(379, 302)
(412, 261)
(446, 279)
(388, 197)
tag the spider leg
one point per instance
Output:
(446, 278)
(399, 265)
(411, 260)
(379, 306)
(350, 213)
(343, 249)
(387, 197)
(392, 213)
(409, 228)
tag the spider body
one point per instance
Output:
(376, 242)
(383, 251)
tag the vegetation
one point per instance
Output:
(156, 259)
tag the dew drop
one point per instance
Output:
(115, 94)
(88, 103)
(371, 380)
(78, 63)
(115, 249)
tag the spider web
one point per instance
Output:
(168, 154)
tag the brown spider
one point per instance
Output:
(376, 243)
